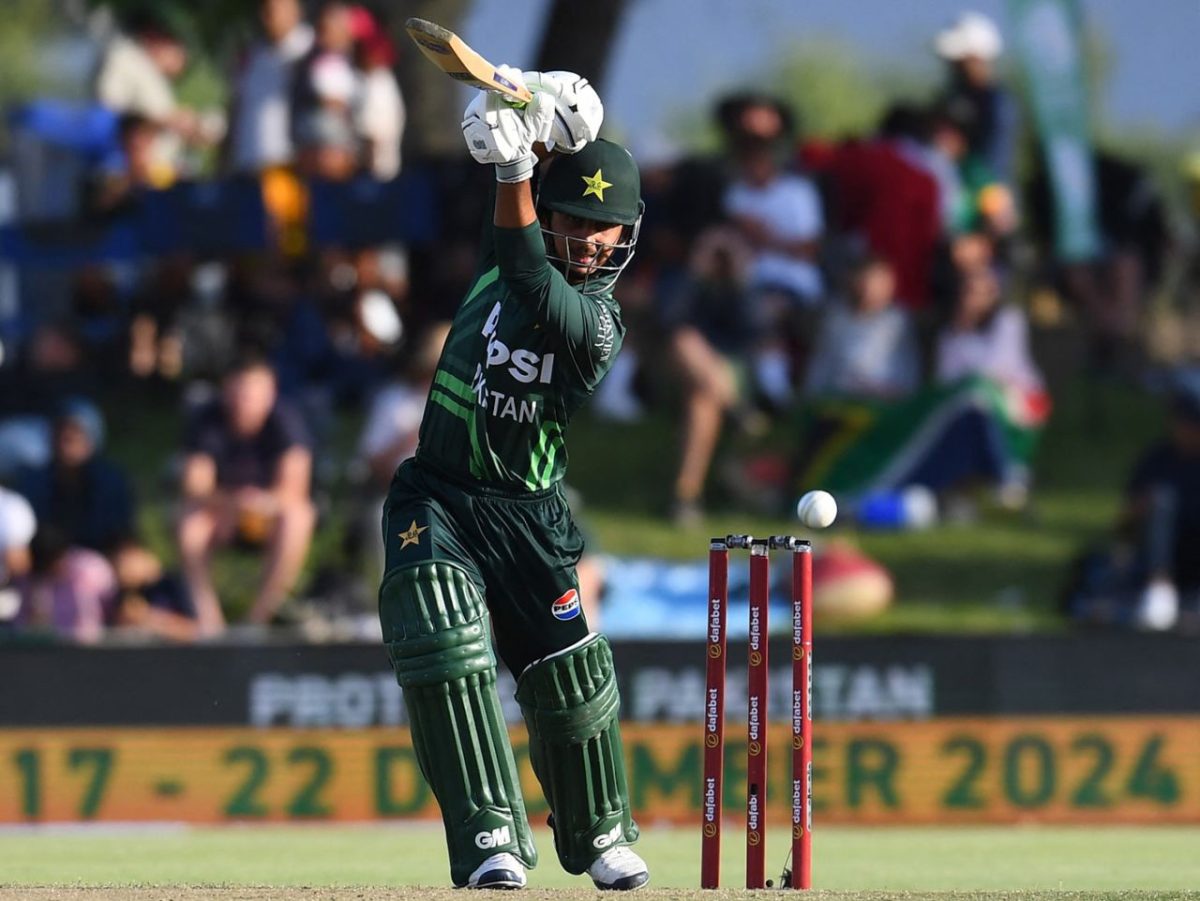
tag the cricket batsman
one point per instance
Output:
(481, 548)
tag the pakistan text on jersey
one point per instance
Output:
(505, 406)
(525, 366)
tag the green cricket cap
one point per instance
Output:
(599, 182)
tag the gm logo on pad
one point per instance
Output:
(566, 607)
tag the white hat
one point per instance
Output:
(972, 34)
(17, 522)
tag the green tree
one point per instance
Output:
(835, 89)
(213, 27)
(27, 26)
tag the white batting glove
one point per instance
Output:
(499, 132)
(578, 112)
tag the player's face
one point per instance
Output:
(585, 242)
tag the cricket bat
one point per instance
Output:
(451, 54)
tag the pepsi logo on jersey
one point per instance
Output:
(566, 607)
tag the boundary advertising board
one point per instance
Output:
(351, 686)
(1081, 769)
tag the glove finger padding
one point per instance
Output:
(497, 132)
(538, 117)
(578, 112)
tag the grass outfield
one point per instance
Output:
(864, 861)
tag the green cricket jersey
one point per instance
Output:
(524, 352)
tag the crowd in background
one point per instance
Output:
(851, 300)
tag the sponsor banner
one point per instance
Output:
(949, 770)
(351, 686)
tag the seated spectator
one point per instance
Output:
(260, 134)
(866, 348)
(325, 79)
(710, 334)
(70, 592)
(879, 196)
(17, 527)
(135, 76)
(150, 600)
(986, 337)
(380, 113)
(247, 476)
(1149, 577)
(1162, 518)
(779, 215)
(327, 147)
(114, 190)
(979, 425)
(80, 493)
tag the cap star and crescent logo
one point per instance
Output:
(412, 535)
(595, 185)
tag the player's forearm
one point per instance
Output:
(514, 205)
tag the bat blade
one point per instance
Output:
(452, 55)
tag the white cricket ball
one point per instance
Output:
(817, 509)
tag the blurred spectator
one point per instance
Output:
(1149, 576)
(331, 332)
(978, 426)
(867, 347)
(138, 67)
(989, 339)
(70, 591)
(247, 477)
(909, 129)
(115, 188)
(380, 113)
(80, 493)
(151, 601)
(135, 77)
(327, 147)
(17, 528)
(972, 194)
(1162, 519)
(325, 79)
(779, 215)
(261, 118)
(709, 321)
(389, 435)
(970, 47)
(777, 212)
(1134, 228)
(986, 337)
(880, 198)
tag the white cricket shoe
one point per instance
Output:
(502, 871)
(619, 869)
